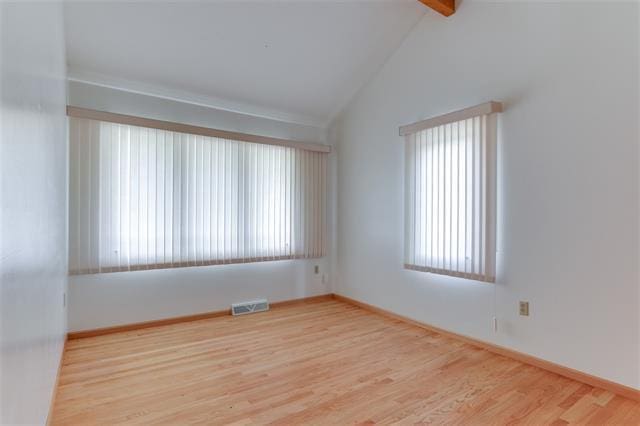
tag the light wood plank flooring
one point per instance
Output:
(322, 362)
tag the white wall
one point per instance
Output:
(103, 98)
(33, 200)
(104, 300)
(568, 188)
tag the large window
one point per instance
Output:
(148, 198)
(450, 194)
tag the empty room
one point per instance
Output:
(320, 212)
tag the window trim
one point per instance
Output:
(171, 126)
(486, 108)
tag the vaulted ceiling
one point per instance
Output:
(297, 61)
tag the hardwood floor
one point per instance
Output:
(321, 362)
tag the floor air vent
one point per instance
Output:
(249, 307)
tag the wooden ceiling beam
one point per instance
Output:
(446, 7)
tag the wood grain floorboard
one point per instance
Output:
(321, 362)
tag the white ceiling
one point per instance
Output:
(295, 61)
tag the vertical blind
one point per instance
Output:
(450, 198)
(144, 198)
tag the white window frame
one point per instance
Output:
(149, 194)
(450, 193)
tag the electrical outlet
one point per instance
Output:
(316, 269)
(524, 308)
(64, 300)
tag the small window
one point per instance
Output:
(450, 201)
